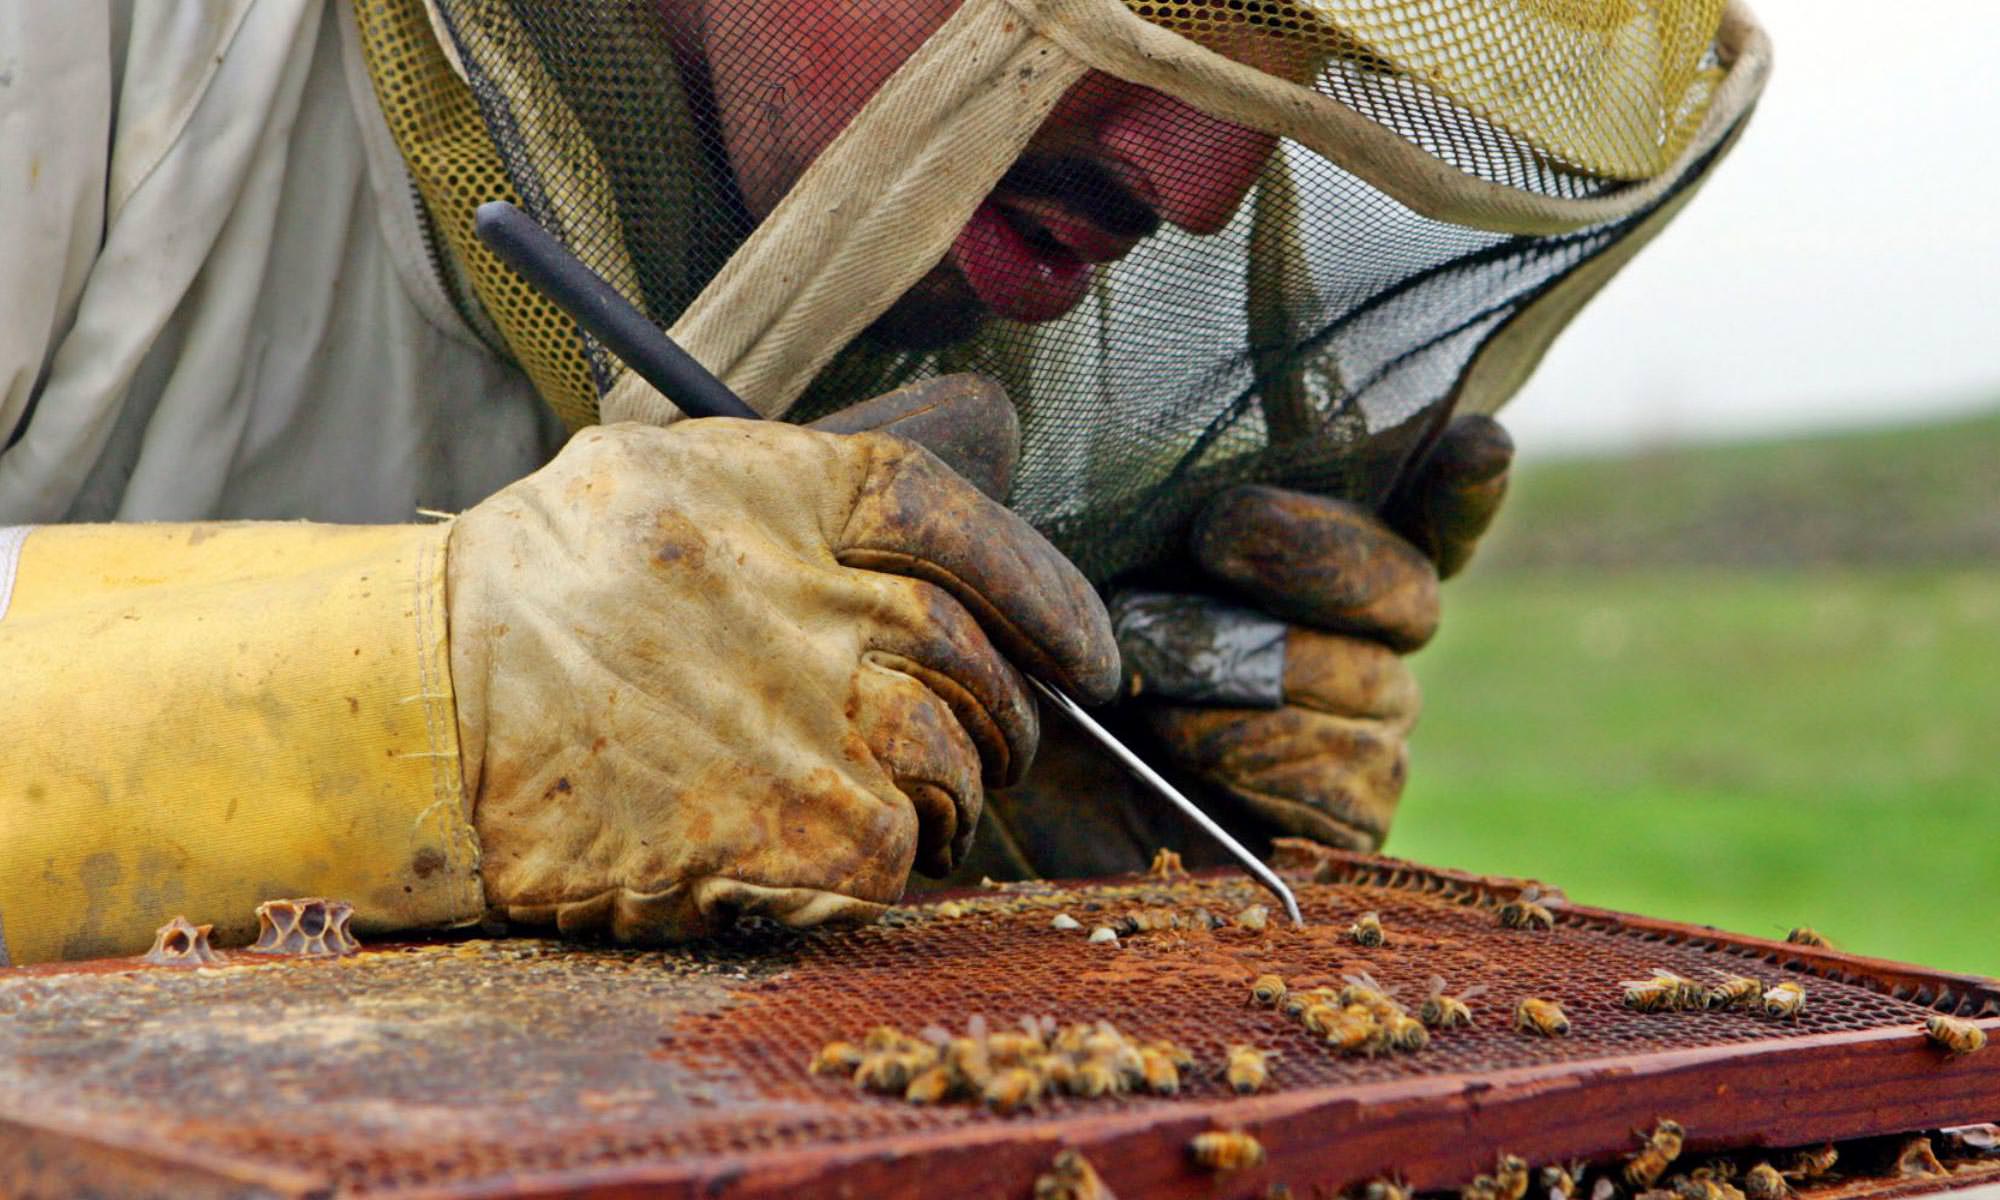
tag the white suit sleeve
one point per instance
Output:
(56, 84)
(213, 301)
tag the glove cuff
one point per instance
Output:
(203, 717)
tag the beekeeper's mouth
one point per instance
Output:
(1029, 252)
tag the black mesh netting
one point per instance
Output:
(1313, 340)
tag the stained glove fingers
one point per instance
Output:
(913, 516)
(1453, 497)
(692, 909)
(921, 745)
(1349, 677)
(1320, 562)
(1332, 779)
(946, 650)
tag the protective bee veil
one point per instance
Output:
(1201, 242)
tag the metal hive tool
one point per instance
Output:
(525, 1067)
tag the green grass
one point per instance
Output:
(1749, 750)
(1921, 495)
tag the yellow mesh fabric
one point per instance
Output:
(1612, 88)
(436, 124)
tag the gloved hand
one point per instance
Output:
(1329, 763)
(736, 667)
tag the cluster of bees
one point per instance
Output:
(1718, 1180)
(1665, 991)
(1643, 1176)
(1014, 1069)
(1363, 1017)
(1158, 918)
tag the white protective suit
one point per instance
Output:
(216, 293)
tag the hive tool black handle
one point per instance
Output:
(599, 309)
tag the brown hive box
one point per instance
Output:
(480, 1068)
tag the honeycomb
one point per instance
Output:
(539, 1068)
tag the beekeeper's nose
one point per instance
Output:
(1199, 168)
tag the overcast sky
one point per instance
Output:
(1839, 269)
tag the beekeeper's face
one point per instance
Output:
(1111, 164)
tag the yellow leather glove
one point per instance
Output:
(1330, 761)
(715, 669)
(737, 667)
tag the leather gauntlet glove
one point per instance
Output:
(1357, 593)
(735, 667)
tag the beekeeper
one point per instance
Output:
(1244, 268)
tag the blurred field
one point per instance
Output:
(1751, 747)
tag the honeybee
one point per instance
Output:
(1226, 1150)
(884, 1037)
(1806, 935)
(1482, 1187)
(1267, 991)
(1320, 1019)
(1385, 1189)
(1363, 990)
(1007, 1049)
(966, 1058)
(1651, 1160)
(1954, 1036)
(931, 1085)
(1510, 1177)
(1247, 1069)
(1524, 911)
(1127, 1065)
(1649, 995)
(1787, 999)
(1407, 1034)
(1664, 992)
(1559, 1182)
(1367, 931)
(1091, 1078)
(1764, 1183)
(836, 1058)
(1699, 1187)
(1166, 865)
(1544, 1017)
(1148, 920)
(1353, 1032)
(1735, 991)
(1161, 1076)
(1180, 1056)
(1070, 1039)
(1811, 1164)
(1447, 1012)
(892, 1070)
(1918, 1159)
(1073, 1178)
(1012, 1089)
(1688, 995)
